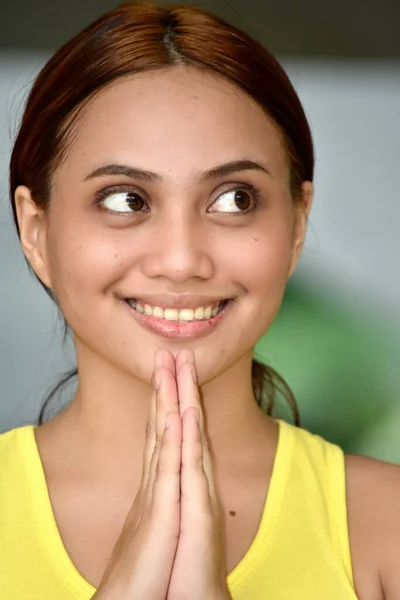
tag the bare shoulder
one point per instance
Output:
(373, 500)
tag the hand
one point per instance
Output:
(199, 566)
(141, 562)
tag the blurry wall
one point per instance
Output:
(342, 304)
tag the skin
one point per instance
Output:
(177, 123)
(174, 526)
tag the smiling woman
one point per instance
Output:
(161, 183)
(137, 42)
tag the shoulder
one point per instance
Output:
(373, 500)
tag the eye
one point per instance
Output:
(121, 201)
(242, 199)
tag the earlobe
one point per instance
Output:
(302, 212)
(33, 235)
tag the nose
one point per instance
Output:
(178, 249)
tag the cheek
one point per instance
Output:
(262, 260)
(82, 262)
(261, 264)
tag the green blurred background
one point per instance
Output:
(342, 368)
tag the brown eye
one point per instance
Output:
(235, 201)
(134, 201)
(242, 200)
(123, 202)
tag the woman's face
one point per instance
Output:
(167, 224)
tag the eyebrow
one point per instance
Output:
(214, 173)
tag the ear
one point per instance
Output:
(33, 233)
(302, 211)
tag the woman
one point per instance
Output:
(161, 183)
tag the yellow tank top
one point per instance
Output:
(301, 550)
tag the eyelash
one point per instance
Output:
(247, 187)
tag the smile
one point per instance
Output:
(185, 315)
(184, 323)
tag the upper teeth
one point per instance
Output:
(173, 314)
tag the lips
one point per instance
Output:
(180, 329)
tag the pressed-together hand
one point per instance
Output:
(199, 567)
(141, 562)
(171, 544)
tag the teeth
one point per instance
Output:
(199, 313)
(170, 314)
(186, 314)
(173, 314)
(138, 306)
(158, 312)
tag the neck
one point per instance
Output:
(105, 423)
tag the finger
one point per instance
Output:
(166, 402)
(156, 416)
(149, 440)
(166, 398)
(194, 483)
(165, 389)
(184, 356)
(164, 358)
(208, 468)
(186, 380)
(189, 396)
(166, 490)
(150, 431)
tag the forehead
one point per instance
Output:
(173, 121)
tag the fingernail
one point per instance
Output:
(190, 356)
(157, 379)
(197, 415)
(194, 374)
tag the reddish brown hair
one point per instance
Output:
(138, 37)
